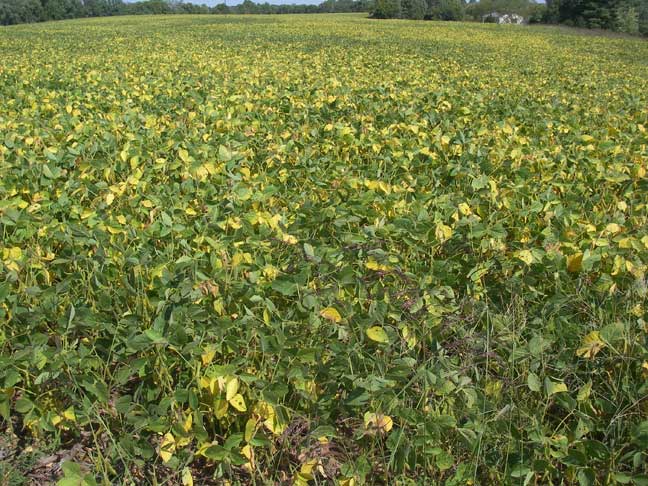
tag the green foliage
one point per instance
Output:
(387, 9)
(627, 20)
(27, 11)
(319, 249)
(525, 8)
(629, 16)
(414, 9)
(20, 11)
(448, 10)
(61, 9)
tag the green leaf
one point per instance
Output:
(24, 405)
(224, 153)
(155, 337)
(284, 287)
(71, 469)
(533, 382)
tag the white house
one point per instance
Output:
(498, 18)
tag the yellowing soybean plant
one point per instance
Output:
(322, 250)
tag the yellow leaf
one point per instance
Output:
(220, 408)
(267, 412)
(331, 314)
(208, 355)
(307, 467)
(383, 423)
(188, 423)
(110, 197)
(591, 345)
(248, 453)
(239, 258)
(289, 239)
(555, 387)
(612, 228)
(12, 254)
(526, 256)
(187, 478)
(231, 388)
(378, 267)
(238, 402)
(348, 482)
(443, 232)
(183, 441)
(167, 447)
(575, 263)
(250, 429)
(184, 155)
(234, 223)
(625, 243)
(210, 383)
(301, 480)
(465, 209)
(70, 415)
(409, 337)
(378, 334)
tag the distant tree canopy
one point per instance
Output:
(629, 16)
(24, 11)
(452, 9)
(525, 8)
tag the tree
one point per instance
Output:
(387, 9)
(626, 20)
(552, 12)
(414, 9)
(449, 10)
(247, 7)
(62, 9)
(20, 11)
(221, 8)
(642, 10)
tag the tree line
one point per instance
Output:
(629, 16)
(26, 11)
